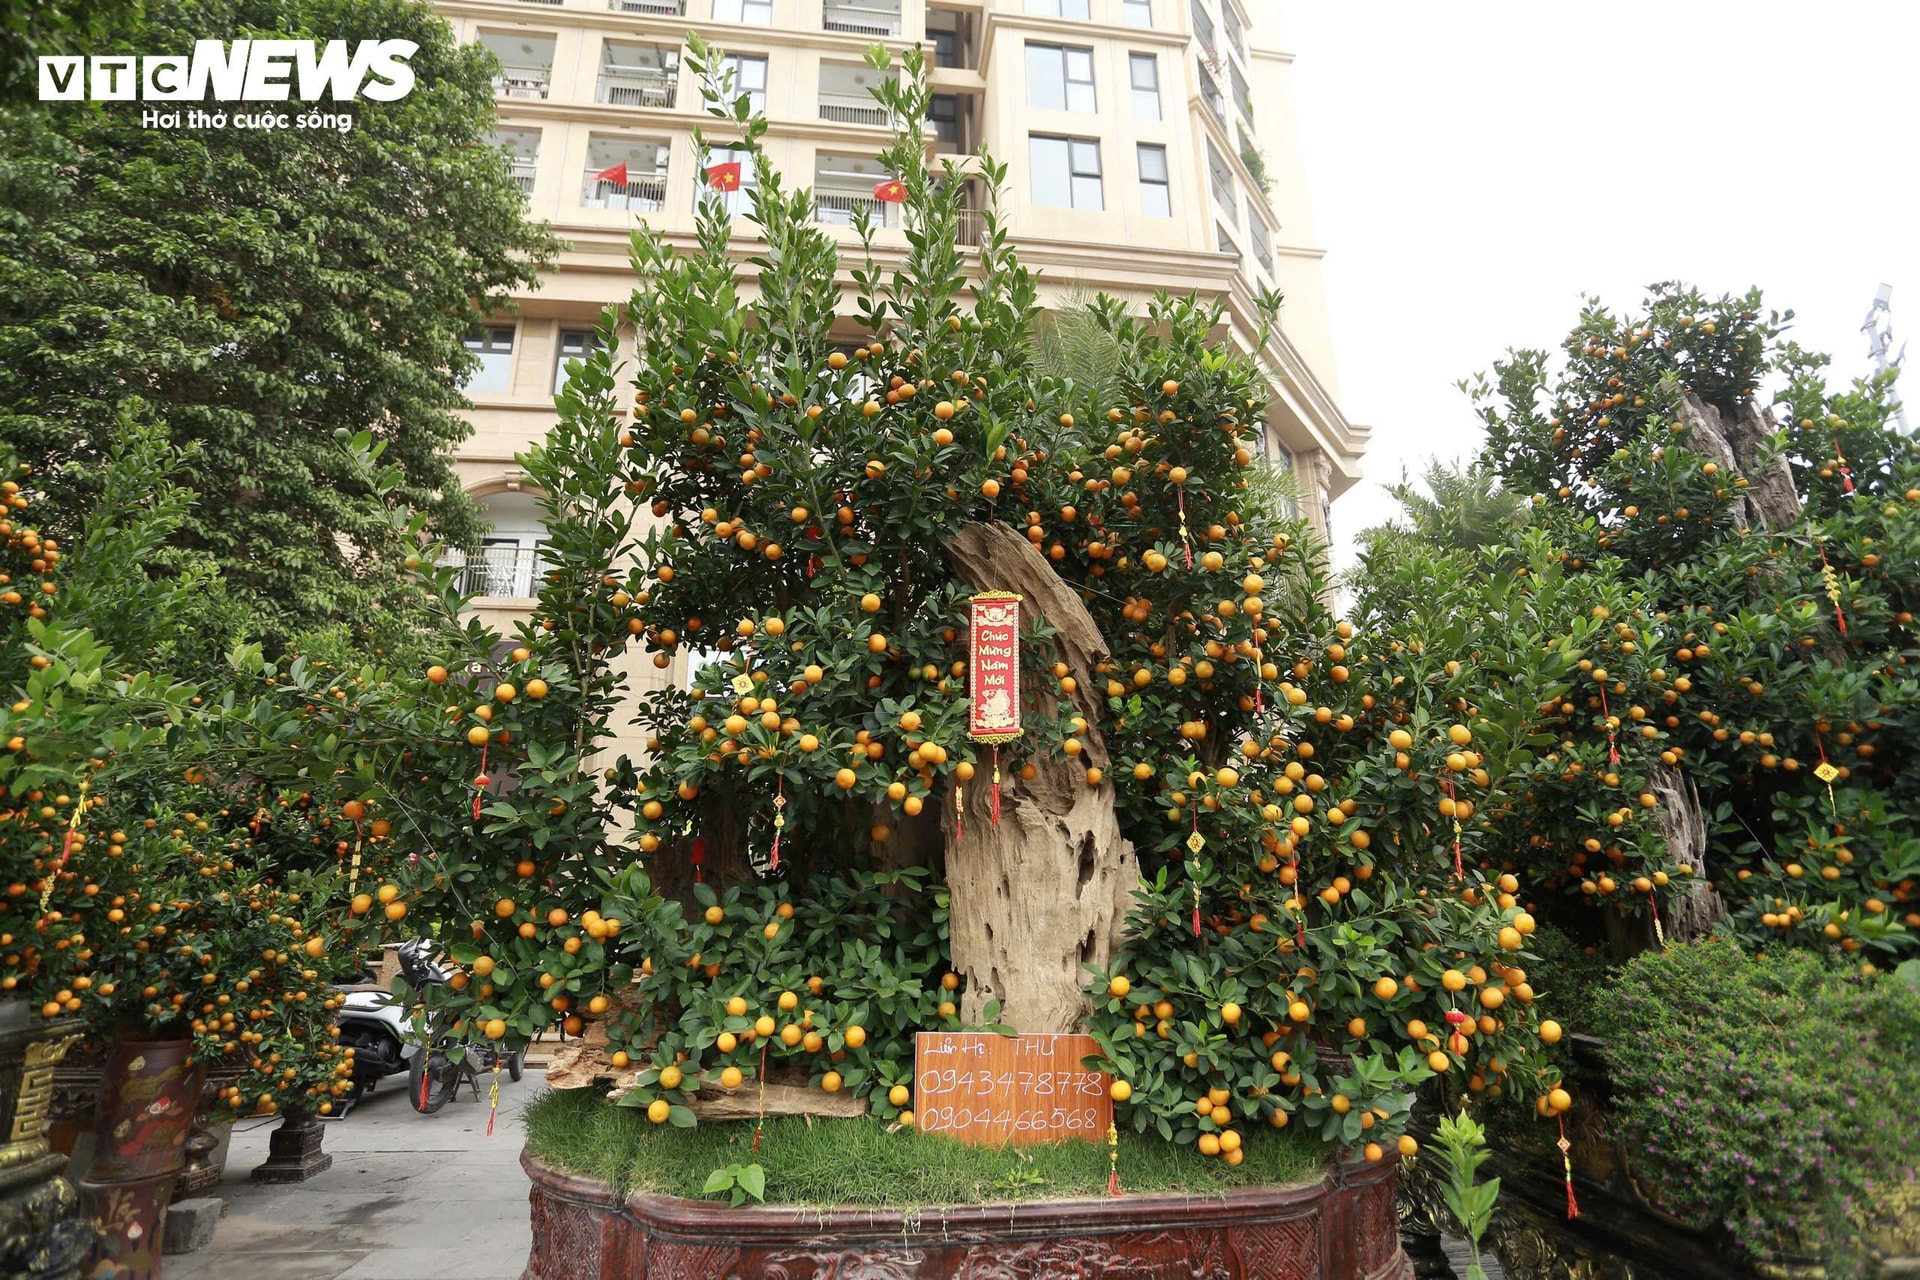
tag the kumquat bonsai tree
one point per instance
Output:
(815, 860)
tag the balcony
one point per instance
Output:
(639, 86)
(656, 8)
(850, 110)
(1210, 94)
(523, 171)
(501, 570)
(523, 82)
(846, 94)
(840, 208)
(641, 193)
(873, 19)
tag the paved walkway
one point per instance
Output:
(409, 1197)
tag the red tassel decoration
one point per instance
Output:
(996, 786)
(1113, 1160)
(779, 823)
(1186, 540)
(1846, 475)
(480, 784)
(1613, 747)
(699, 858)
(959, 812)
(1566, 1162)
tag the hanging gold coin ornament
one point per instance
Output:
(1186, 539)
(67, 845)
(1195, 843)
(993, 677)
(1827, 774)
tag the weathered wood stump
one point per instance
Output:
(1045, 890)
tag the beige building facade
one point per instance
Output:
(1149, 143)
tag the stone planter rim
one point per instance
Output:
(674, 1215)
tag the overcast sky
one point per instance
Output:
(1474, 169)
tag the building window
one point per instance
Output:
(757, 13)
(575, 344)
(494, 345)
(1220, 177)
(1066, 172)
(1223, 239)
(1236, 29)
(749, 78)
(1203, 28)
(740, 199)
(1058, 8)
(1242, 94)
(943, 113)
(1262, 242)
(1156, 191)
(946, 47)
(1060, 79)
(1144, 69)
(1139, 13)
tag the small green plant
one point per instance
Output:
(739, 1181)
(1464, 1143)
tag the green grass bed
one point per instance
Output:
(835, 1163)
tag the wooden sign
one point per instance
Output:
(990, 1090)
(993, 667)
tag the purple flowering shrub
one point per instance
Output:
(1775, 1096)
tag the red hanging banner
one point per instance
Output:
(993, 667)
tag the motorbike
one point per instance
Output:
(384, 1040)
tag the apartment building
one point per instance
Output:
(1149, 143)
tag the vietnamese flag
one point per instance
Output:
(616, 175)
(724, 177)
(892, 191)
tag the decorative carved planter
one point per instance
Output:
(43, 1235)
(1340, 1229)
(149, 1091)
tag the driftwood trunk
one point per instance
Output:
(1044, 891)
(1739, 438)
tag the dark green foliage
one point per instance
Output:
(263, 296)
(1773, 1095)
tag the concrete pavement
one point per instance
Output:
(409, 1197)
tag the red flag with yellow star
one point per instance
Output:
(892, 191)
(724, 177)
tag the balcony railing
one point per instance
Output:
(971, 227)
(851, 109)
(838, 208)
(639, 86)
(523, 82)
(1210, 94)
(659, 8)
(523, 170)
(861, 20)
(552, 2)
(507, 571)
(646, 193)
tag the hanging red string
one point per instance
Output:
(1846, 475)
(779, 824)
(1195, 843)
(1566, 1162)
(1826, 773)
(1613, 746)
(1459, 866)
(1832, 581)
(480, 783)
(493, 1094)
(1653, 904)
(996, 786)
(760, 1123)
(1186, 540)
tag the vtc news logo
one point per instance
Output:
(243, 71)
